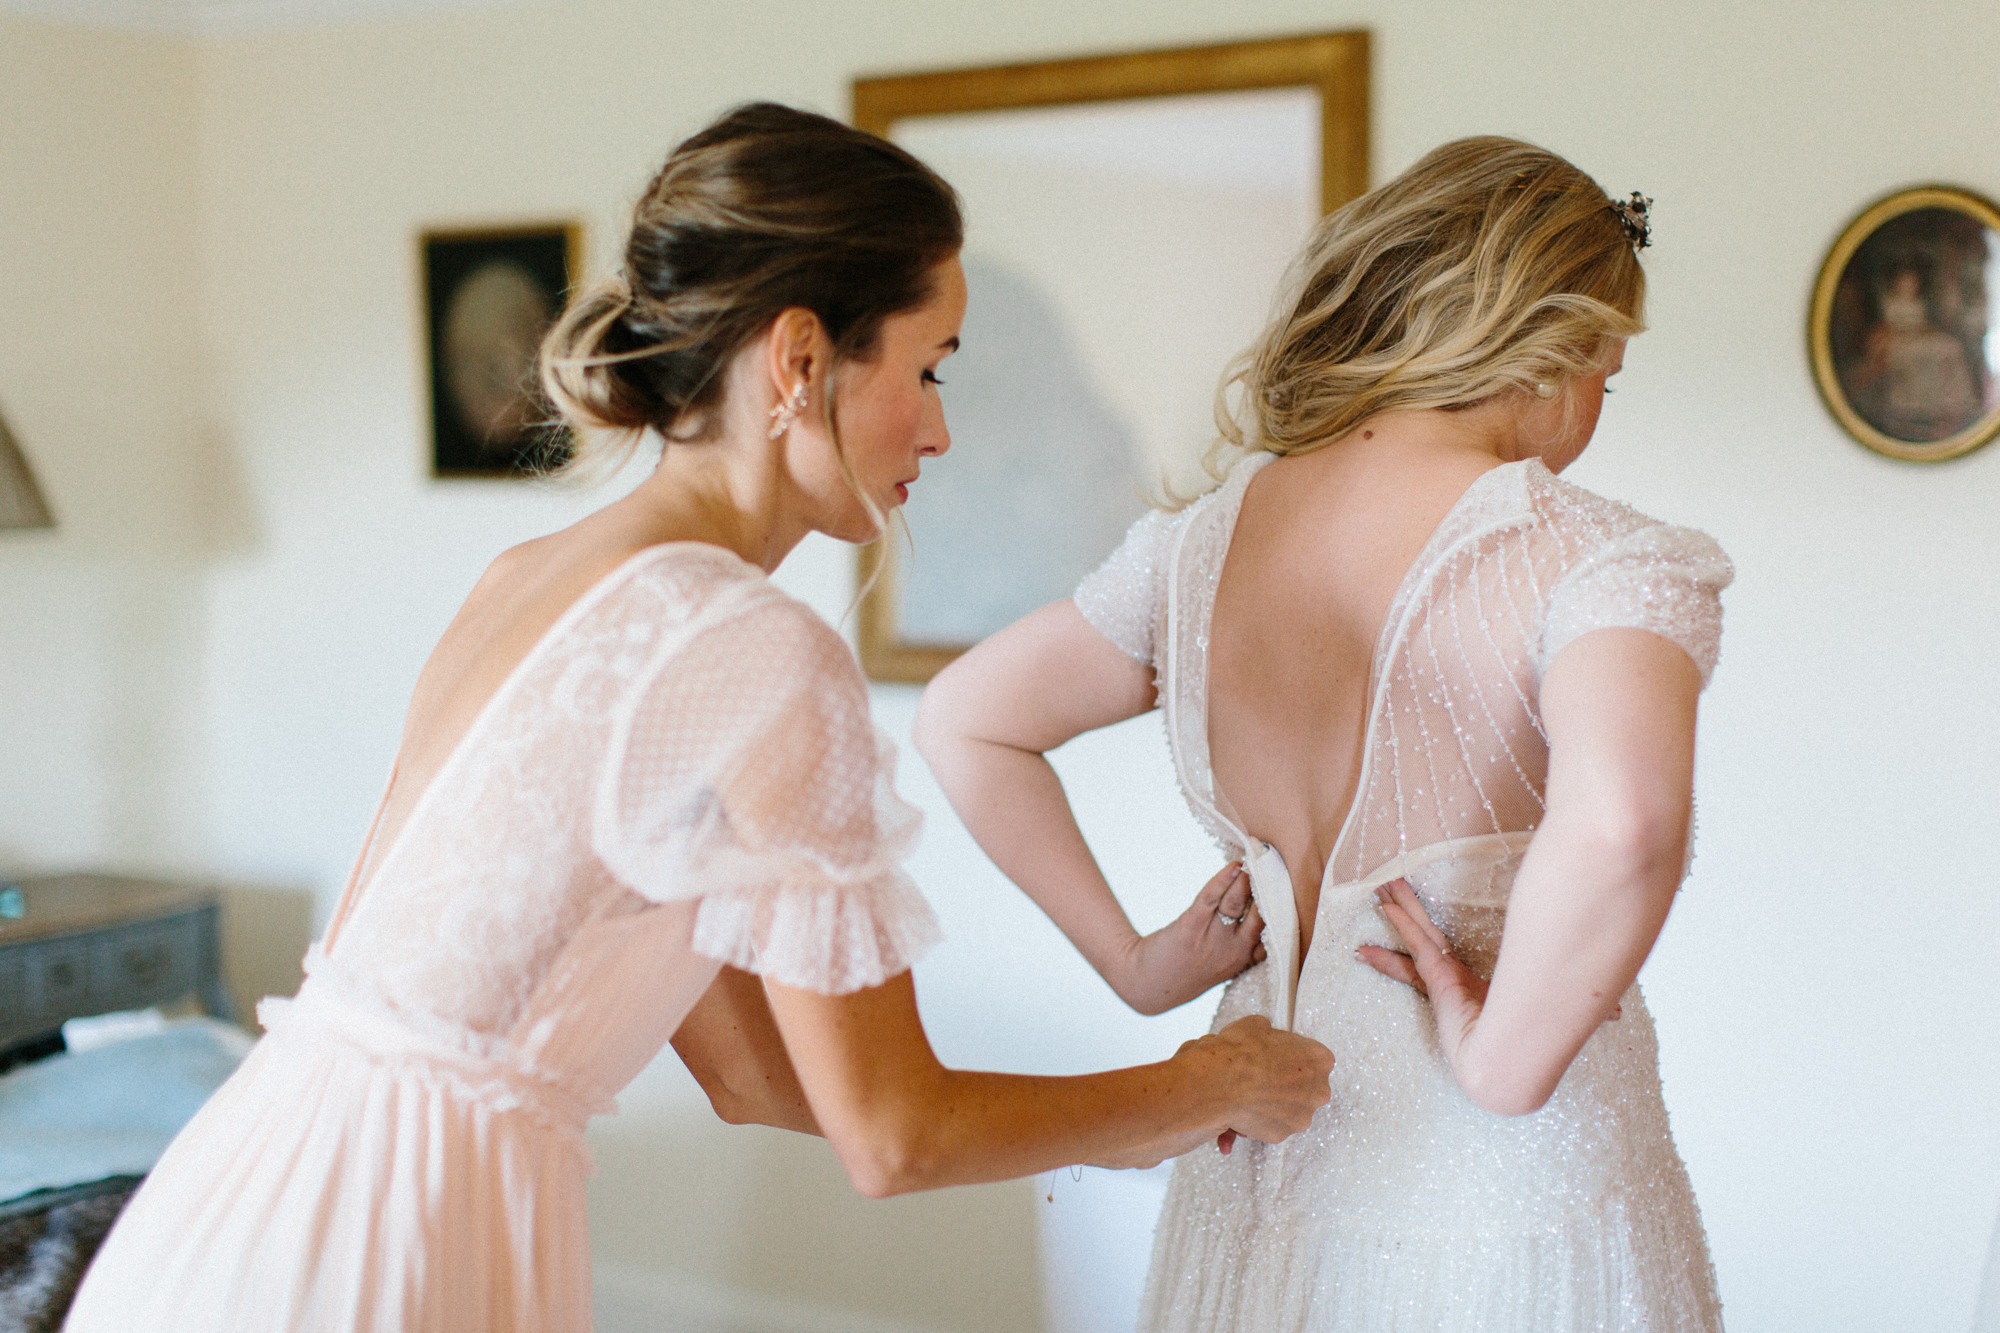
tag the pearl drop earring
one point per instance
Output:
(1544, 389)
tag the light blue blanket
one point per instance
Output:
(85, 1115)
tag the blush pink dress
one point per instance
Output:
(682, 773)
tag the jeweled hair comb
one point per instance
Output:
(1632, 216)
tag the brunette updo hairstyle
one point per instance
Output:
(1490, 265)
(766, 209)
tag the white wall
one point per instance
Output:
(100, 621)
(210, 355)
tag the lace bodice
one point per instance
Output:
(681, 773)
(1522, 565)
(685, 734)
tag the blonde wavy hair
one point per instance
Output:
(1491, 265)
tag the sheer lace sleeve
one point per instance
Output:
(749, 775)
(1123, 597)
(1664, 579)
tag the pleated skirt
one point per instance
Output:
(322, 1189)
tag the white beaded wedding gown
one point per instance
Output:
(681, 773)
(1405, 1206)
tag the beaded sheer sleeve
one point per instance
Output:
(749, 775)
(1659, 578)
(1124, 599)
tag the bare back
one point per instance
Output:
(1321, 544)
(517, 600)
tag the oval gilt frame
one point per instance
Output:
(1820, 331)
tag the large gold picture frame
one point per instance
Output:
(1899, 331)
(1334, 65)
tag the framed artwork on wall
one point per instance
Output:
(489, 296)
(1129, 218)
(1905, 347)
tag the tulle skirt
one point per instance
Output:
(1404, 1207)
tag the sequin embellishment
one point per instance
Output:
(1404, 1205)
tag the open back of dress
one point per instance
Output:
(681, 773)
(1405, 1205)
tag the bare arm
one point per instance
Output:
(731, 1044)
(904, 1122)
(900, 1121)
(985, 726)
(1595, 886)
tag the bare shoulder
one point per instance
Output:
(516, 562)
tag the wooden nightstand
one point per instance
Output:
(90, 944)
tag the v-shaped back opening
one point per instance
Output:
(1192, 734)
(376, 851)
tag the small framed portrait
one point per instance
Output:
(489, 296)
(1904, 345)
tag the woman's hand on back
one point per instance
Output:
(1277, 1081)
(1216, 938)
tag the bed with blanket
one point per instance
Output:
(81, 1122)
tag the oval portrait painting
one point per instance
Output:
(1904, 345)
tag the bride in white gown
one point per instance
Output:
(1408, 675)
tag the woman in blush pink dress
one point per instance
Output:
(639, 797)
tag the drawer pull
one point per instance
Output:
(147, 966)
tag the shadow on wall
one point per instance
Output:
(1041, 480)
(147, 742)
(222, 516)
(100, 659)
(102, 648)
(698, 1225)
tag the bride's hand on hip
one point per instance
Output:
(1216, 938)
(1457, 993)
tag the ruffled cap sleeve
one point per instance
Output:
(1663, 579)
(1124, 597)
(749, 776)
